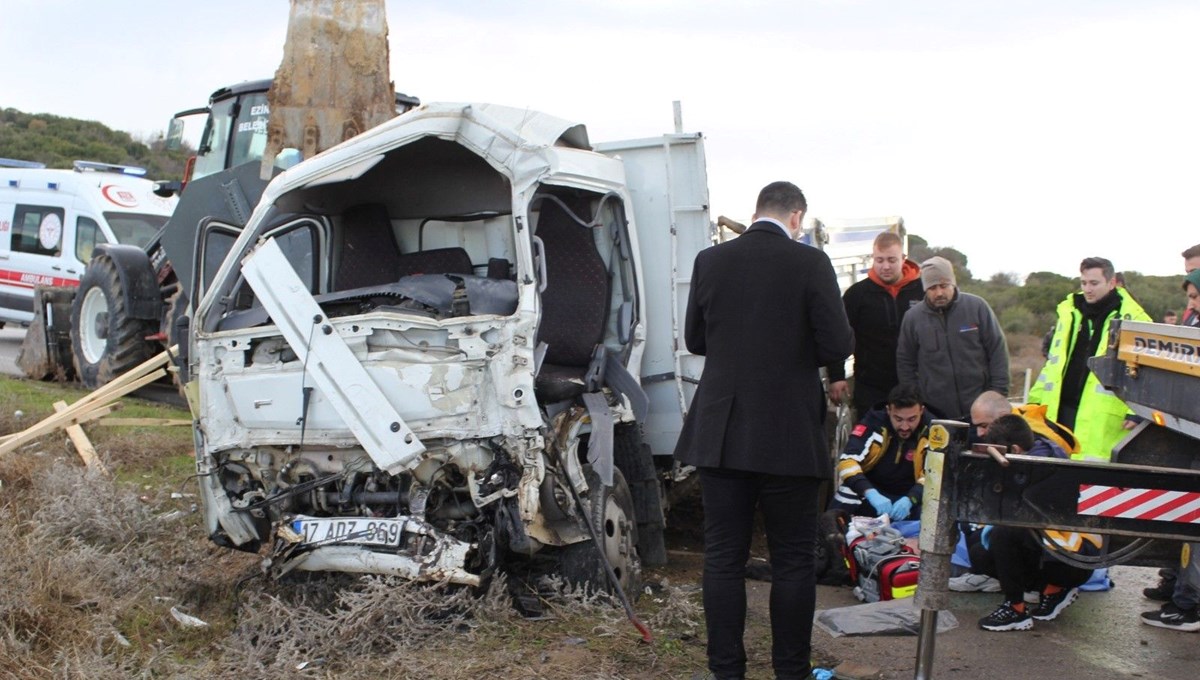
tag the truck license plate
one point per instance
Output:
(359, 530)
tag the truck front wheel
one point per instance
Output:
(105, 341)
(612, 515)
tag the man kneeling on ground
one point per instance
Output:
(1023, 559)
(880, 471)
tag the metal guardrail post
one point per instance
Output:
(938, 535)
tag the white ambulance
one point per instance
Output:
(52, 220)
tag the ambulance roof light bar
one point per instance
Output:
(14, 163)
(83, 166)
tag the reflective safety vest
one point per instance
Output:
(1099, 421)
(1035, 416)
(1071, 541)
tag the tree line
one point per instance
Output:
(58, 142)
(1028, 306)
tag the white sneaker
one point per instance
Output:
(974, 583)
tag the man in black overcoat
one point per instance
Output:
(766, 312)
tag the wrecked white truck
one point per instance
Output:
(446, 345)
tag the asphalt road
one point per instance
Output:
(10, 346)
(1100, 637)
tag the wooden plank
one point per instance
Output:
(44, 427)
(124, 384)
(145, 422)
(137, 377)
(59, 421)
(83, 445)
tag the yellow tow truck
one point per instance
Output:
(1145, 500)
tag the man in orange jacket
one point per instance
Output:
(876, 306)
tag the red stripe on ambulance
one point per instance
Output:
(28, 280)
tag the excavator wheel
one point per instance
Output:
(105, 341)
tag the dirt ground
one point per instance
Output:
(98, 577)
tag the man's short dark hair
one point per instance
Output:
(904, 396)
(1194, 251)
(1010, 430)
(1105, 266)
(780, 198)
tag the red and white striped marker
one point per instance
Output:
(1156, 504)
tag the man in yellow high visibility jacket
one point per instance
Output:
(1066, 387)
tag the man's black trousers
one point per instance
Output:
(1022, 564)
(789, 506)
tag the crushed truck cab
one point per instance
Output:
(422, 354)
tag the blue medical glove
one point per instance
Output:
(985, 538)
(900, 509)
(878, 501)
(822, 674)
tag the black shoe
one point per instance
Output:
(1161, 592)
(1050, 606)
(709, 675)
(1172, 617)
(1006, 618)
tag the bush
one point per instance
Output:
(1018, 319)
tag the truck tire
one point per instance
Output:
(611, 513)
(105, 342)
(635, 460)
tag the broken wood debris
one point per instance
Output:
(145, 422)
(83, 445)
(96, 404)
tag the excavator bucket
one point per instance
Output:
(46, 349)
(333, 81)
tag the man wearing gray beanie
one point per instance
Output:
(937, 270)
(951, 347)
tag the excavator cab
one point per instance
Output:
(235, 129)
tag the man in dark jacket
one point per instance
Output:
(876, 306)
(1021, 559)
(765, 312)
(951, 347)
(882, 469)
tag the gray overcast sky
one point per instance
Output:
(1028, 134)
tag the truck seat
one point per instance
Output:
(435, 261)
(574, 304)
(370, 253)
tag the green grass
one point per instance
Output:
(36, 399)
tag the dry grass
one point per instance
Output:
(1024, 352)
(92, 567)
